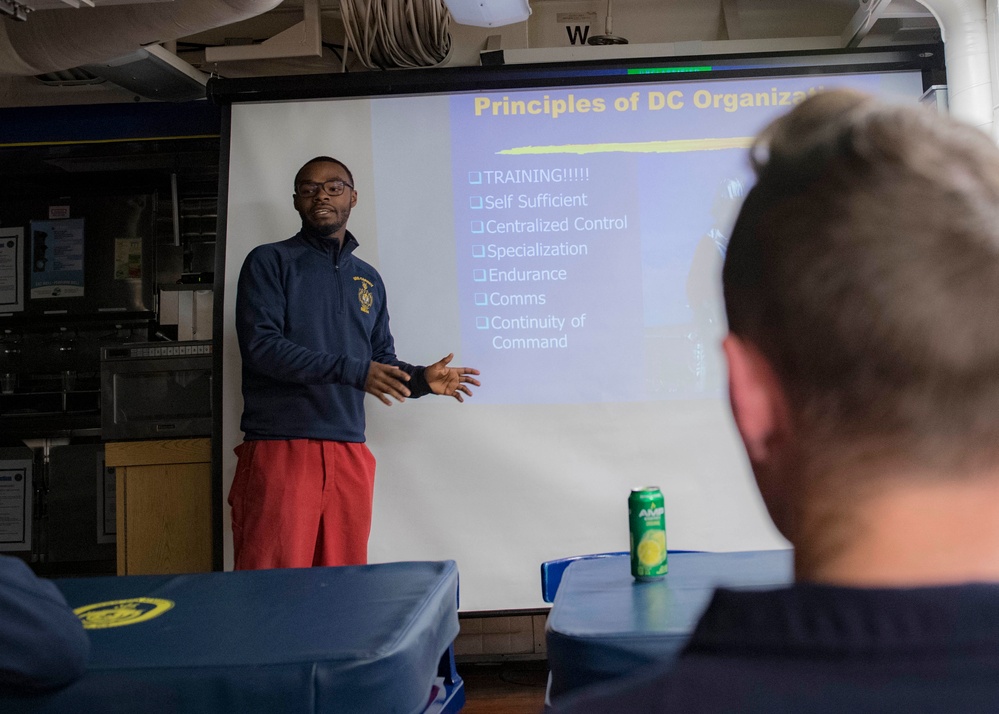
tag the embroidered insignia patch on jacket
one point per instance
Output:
(363, 295)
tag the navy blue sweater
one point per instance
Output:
(42, 643)
(310, 318)
(821, 648)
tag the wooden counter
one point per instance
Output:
(164, 504)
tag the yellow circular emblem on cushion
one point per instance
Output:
(115, 613)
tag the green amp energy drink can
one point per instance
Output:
(647, 523)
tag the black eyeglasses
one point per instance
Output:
(308, 189)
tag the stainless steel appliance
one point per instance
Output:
(156, 390)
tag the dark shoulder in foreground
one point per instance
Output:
(42, 642)
(814, 648)
(644, 691)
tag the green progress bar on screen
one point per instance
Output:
(667, 70)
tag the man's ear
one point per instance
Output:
(759, 405)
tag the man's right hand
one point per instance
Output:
(385, 381)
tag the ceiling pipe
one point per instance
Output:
(968, 54)
(992, 25)
(56, 40)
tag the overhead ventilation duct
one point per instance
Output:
(57, 40)
(304, 39)
(75, 77)
(155, 73)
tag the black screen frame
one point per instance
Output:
(495, 75)
(929, 59)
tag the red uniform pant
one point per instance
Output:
(301, 502)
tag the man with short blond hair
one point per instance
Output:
(862, 288)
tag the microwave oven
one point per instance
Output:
(156, 390)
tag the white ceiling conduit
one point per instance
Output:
(55, 40)
(992, 22)
(968, 44)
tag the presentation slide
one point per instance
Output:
(567, 241)
(587, 221)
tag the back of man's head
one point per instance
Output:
(864, 267)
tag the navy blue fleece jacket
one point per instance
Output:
(42, 643)
(310, 318)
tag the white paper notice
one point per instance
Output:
(11, 269)
(57, 258)
(15, 505)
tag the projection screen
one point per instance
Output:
(565, 237)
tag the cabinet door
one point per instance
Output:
(165, 512)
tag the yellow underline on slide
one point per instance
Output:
(672, 146)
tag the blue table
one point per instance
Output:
(351, 639)
(604, 624)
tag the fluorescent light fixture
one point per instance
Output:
(488, 13)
